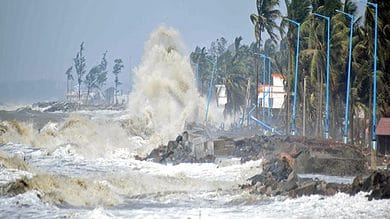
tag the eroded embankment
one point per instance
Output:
(305, 155)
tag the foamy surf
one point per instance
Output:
(108, 182)
(83, 166)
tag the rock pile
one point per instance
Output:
(306, 155)
(286, 157)
(175, 152)
(279, 178)
(377, 183)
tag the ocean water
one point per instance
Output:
(84, 166)
(74, 187)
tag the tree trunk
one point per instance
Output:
(88, 91)
(318, 107)
(337, 105)
(304, 107)
(321, 99)
(333, 117)
(116, 93)
(79, 91)
(288, 79)
(67, 89)
(360, 131)
(202, 87)
(352, 122)
(257, 82)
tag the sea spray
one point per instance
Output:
(164, 94)
(88, 138)
(163, 100)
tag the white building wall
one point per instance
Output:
(221, 95)
(274, 93)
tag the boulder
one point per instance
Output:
(305, 189)
(291, 183)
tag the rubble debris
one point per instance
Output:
(284, 158)
(278, 178)
(178, 151)
(274, 181)
(305, 155)
(377, 184)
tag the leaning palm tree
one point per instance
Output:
(265, 19)
(69, 77)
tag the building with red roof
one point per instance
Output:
(383, 134)
(272, 95)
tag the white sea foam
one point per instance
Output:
(86, 161)
(214, 205)
(12, 106)
(164, 94)
(142, 189)
(163, 100)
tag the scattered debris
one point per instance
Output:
(279, 178)
(377, 183)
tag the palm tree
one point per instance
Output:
(313, 67)
(314, 58)
(238, 73)
(297, 10)
(69, 77)
(265, 19)
(383, 55)
(363, 65)
(199, 58)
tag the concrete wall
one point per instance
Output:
(275, 93)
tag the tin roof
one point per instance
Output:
(383, 127)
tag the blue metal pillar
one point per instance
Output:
(295, 76)
(374, 91)
(345, 138)
(373, 137)
(269, 90)
(327, 73)
(262, 88)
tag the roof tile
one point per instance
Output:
(383, 127)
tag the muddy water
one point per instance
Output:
(82, 165)
(83, 168)
(62, 184)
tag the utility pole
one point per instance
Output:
(293, 126)
(373, 133)
(257, 59)
(327, 19)
(345, 138)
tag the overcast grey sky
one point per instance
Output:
(39, 38)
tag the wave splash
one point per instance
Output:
(164, 94)
(163, 100)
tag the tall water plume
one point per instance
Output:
(164, 98)
(165, 94)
